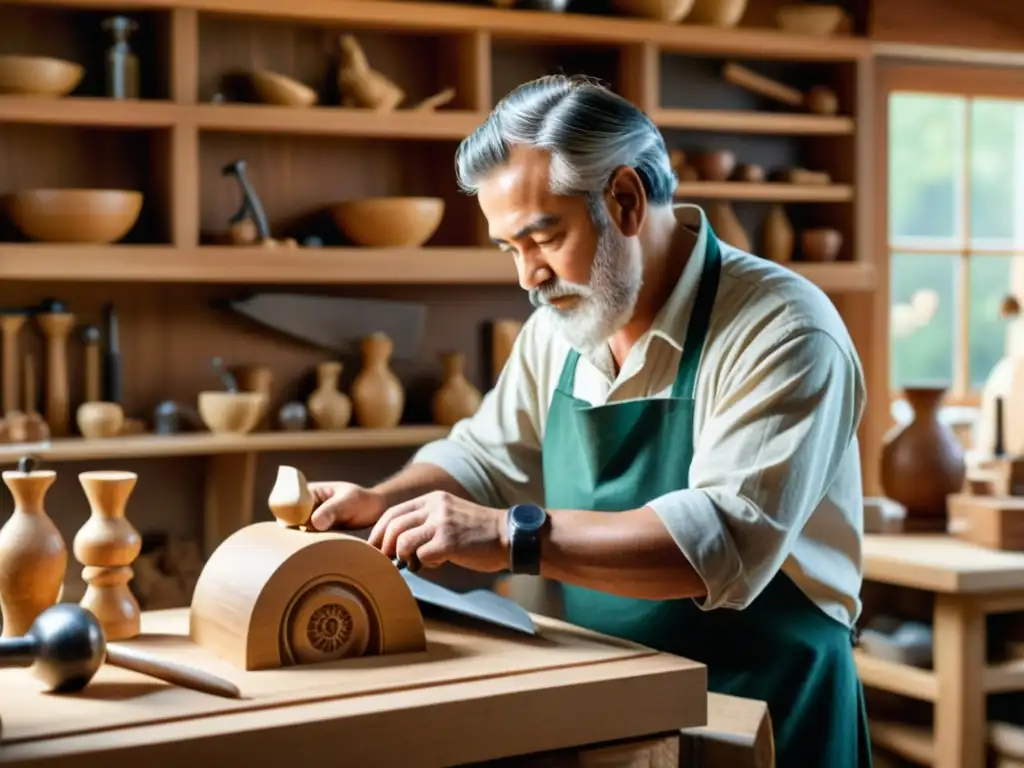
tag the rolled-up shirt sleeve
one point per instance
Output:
(496, 454)
(785, 415)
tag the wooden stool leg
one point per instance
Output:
(960, 659)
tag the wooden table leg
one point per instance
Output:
(960, 655)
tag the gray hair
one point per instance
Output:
(589, 131)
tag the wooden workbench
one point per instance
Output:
(968, 583)
(472, 696)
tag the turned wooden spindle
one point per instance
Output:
(33, 557)
(29, 387)
(57, 327)
(10, 329)
(91, 342)
(107, 545)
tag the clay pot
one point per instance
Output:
(726, 224)
(923, 462)
(457, 398)
(718, 13)
(713, 166)
(821, 244)
(328, 406)
(377, 394)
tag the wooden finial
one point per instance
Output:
(290, 499)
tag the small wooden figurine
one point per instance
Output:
(362, 86)
(290, 499)
(107, 545)
(33, 556)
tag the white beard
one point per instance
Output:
(606, 302)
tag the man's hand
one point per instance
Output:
(344, 505)
(440, 528)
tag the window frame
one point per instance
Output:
(971, 82)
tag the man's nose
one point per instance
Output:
(533, 271)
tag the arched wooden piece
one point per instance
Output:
(272, 597)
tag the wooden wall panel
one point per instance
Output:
(991, 24)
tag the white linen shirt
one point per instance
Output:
(775, 480)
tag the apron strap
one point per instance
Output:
(567, 381)
(700, 319)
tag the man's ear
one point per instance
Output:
(627, 202)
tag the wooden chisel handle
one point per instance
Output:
(171, 672)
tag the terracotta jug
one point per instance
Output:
(328, 406)
(377, 394)
(33, 556)
(923, 462)
(778, 236)
(457, 398)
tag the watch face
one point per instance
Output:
(528, 517)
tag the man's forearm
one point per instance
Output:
(630, 554)
(416, 480)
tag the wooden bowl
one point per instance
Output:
(96, 216)
(820, 244)
(281, 90)
(820, 20)
(718, 13)
(389, 222)
(671, 11)
(38, 75)
(231, 413)
(713, 166)
(98, 420)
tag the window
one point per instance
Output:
(956, 231)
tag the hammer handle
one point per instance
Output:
(171, 672)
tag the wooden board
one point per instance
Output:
(941, 563)
(119, 701)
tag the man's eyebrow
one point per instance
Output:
(541, 222)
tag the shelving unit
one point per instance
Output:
(173, 142)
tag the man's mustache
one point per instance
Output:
(545, 293)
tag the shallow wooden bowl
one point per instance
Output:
(713, 166)
(38, 75)
(718, 13)
(231, 413)
(671, 11)
(281, 90)
(389, 222)
(821, 20)
(95, 216)
(821, 244)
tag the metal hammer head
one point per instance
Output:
(68, 646)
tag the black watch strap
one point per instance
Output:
(524, 544)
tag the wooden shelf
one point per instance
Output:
(206, 444)
(896, 678)
(739, 121)
(325, 266)
(907, 741)
(85, 111)
(534, 26)
(778, 192)
(335, 121)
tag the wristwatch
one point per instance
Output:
(525, 523)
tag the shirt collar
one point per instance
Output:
(673, 319)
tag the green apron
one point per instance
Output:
(782, 649)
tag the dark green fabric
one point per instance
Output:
(782, 649)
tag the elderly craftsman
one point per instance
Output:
(673, 438)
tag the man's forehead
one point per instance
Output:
(525, 177)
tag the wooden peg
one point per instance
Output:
(10, 328)
(107, 545)
(503, 338)
(290, 499)
(29, 387)
(57, 327)
(91, 341)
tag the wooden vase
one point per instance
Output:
(328, 406)
(923, 462)
(377, 395)
(778, 236)
(33, 556)
(457, 398)
(724, 222)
